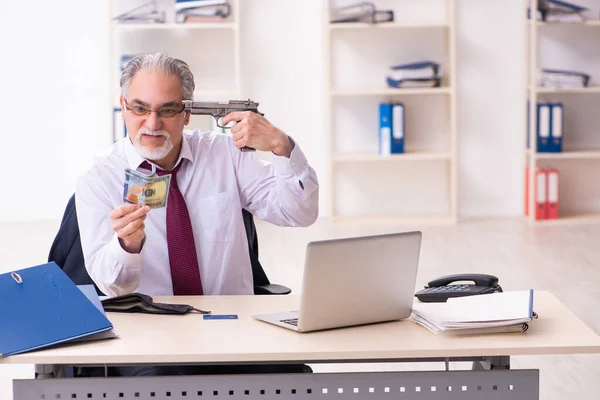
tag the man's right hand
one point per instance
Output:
(128, 222)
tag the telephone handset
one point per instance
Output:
(440, 289)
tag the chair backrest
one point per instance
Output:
(67, 253)
(66, 249)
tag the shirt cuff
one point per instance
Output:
(296, 165)
(116, 252)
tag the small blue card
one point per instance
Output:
(220, 316)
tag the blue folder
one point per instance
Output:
(418, 65)
(556, 127)
(40, 306)
(565, 6)
(385, 129)
(544, 128)
(391, 128)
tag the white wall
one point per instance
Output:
(53, 101)
(54, 82)
(491, 111)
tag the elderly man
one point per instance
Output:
(197, 244)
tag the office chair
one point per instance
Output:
(67, 253)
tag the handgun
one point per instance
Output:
(219, 109)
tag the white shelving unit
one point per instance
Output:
(420, 185)
(576, 159)
(384, 91)
(211, 49)
(172, 25)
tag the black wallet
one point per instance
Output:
(142, 303)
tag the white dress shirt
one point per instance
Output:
(216, 180)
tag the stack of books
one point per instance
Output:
(480, 314)
(145, 13)
(559, 11)
(201, 10)
(558, 78)
(361, 12)
(414, 75)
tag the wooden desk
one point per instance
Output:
(162, 339)
(145, 338)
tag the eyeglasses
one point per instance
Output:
(164, 112)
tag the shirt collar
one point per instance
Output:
(134, 159)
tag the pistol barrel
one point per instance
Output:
(209, 107)
(219, 109)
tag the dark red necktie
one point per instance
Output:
(183, 259)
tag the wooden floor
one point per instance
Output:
(564, 259)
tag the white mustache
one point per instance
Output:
(146, 131)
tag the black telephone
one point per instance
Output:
(439, 290)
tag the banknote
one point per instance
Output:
(146, 190)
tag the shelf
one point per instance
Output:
(375, 157)
(593, 22)
(570, 155)
(395, 219)
(174, 26)
(385, 91)
(548, 90)
(573, 218)
(385, 25)
(344, 85)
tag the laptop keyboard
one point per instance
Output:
(291, 321)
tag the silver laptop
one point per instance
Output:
(355, 281)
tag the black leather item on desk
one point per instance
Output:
(142, 303)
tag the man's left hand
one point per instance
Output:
(254, 130)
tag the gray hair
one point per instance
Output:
(162, 63)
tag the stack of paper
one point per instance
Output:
(490, 313)
(414, 75)
(145, 13)
(560, 11)
(361, 12)
(558, 78)
(201, 10)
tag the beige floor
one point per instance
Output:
(564, 259)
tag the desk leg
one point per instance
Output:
(493, 362)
